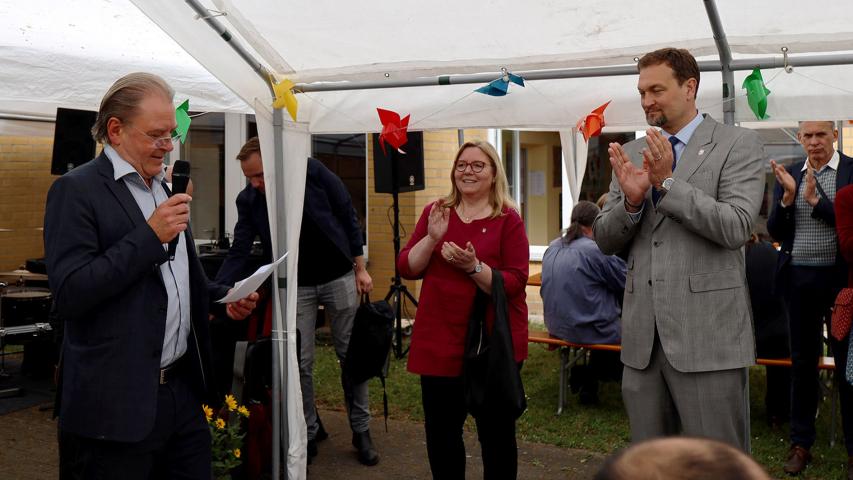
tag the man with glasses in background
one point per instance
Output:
(135, 365)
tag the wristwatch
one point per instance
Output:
(477, 268)
(666, 185)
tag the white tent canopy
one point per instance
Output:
(329, 41)
(67, 53)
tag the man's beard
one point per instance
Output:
(656, 119)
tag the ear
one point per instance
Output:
(691, 88)
(114, 129)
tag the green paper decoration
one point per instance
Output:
(182, 116)
(756, 94)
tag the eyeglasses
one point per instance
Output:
(161, 143)
(476, 167)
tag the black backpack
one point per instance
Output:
(370, 345)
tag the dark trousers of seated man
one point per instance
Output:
(603, 366)
(177, 448)
(811, 294)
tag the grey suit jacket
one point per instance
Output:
(686, 274)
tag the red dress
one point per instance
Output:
(447, 292)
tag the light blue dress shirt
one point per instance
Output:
(175, 273)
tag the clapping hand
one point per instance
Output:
(657, 158)
(810, 191)
(439, 218)
(785, 179)
(462, 258)
(633, 181)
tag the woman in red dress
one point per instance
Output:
(457, 242)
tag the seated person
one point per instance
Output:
(582, 292)
(676, 458)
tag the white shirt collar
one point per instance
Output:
(122, 167)
(833, 163)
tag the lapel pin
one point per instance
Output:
(701, 151)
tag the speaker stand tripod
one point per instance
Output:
(398, 292)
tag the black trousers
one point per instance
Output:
(811, 293)
(177, 448)
(444, 416)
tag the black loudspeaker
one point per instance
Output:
(409, 166)
(73, 144)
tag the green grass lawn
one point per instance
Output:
(602, 428)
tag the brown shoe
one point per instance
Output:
(798, 458)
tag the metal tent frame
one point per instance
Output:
(726, 64)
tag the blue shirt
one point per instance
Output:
(581, 289)
(175, 273)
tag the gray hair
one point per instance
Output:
(122, 99)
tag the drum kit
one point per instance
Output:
(25, 303)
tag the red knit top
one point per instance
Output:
(844, 227)
(447, 292)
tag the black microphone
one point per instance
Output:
(180, 180)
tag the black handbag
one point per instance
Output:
(370, 345)
(492, 378)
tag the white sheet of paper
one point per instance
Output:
(251, 283)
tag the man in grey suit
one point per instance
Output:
(681, 206)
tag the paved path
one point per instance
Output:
(28, 452)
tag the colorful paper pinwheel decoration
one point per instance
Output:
(756, 94)
(393, 129)
(182, 117)
(592, 124)
(284, 97)
(499, 87)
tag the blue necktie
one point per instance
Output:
(673, 141)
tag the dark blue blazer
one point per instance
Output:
(252, 221)
(329, 205)
(103, 264)
(782, 226)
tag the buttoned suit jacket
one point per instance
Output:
(686, 273)
(782, 224)
(103, 263)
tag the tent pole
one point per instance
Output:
(725, 53)
(280, 438)
(280, 432)
(583, 72)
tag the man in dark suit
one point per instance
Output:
(811, 271)
(252, 219)
(136, 355)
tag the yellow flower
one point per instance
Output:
(220, 423)
(208, 412)
(232, 404)
(236, 453)
(243, 411)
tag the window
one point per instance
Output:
(535, 171)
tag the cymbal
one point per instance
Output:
(24, 275)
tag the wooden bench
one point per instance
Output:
(571, 353)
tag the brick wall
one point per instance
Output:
(24, 181)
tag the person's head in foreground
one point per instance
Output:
(681, 458)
